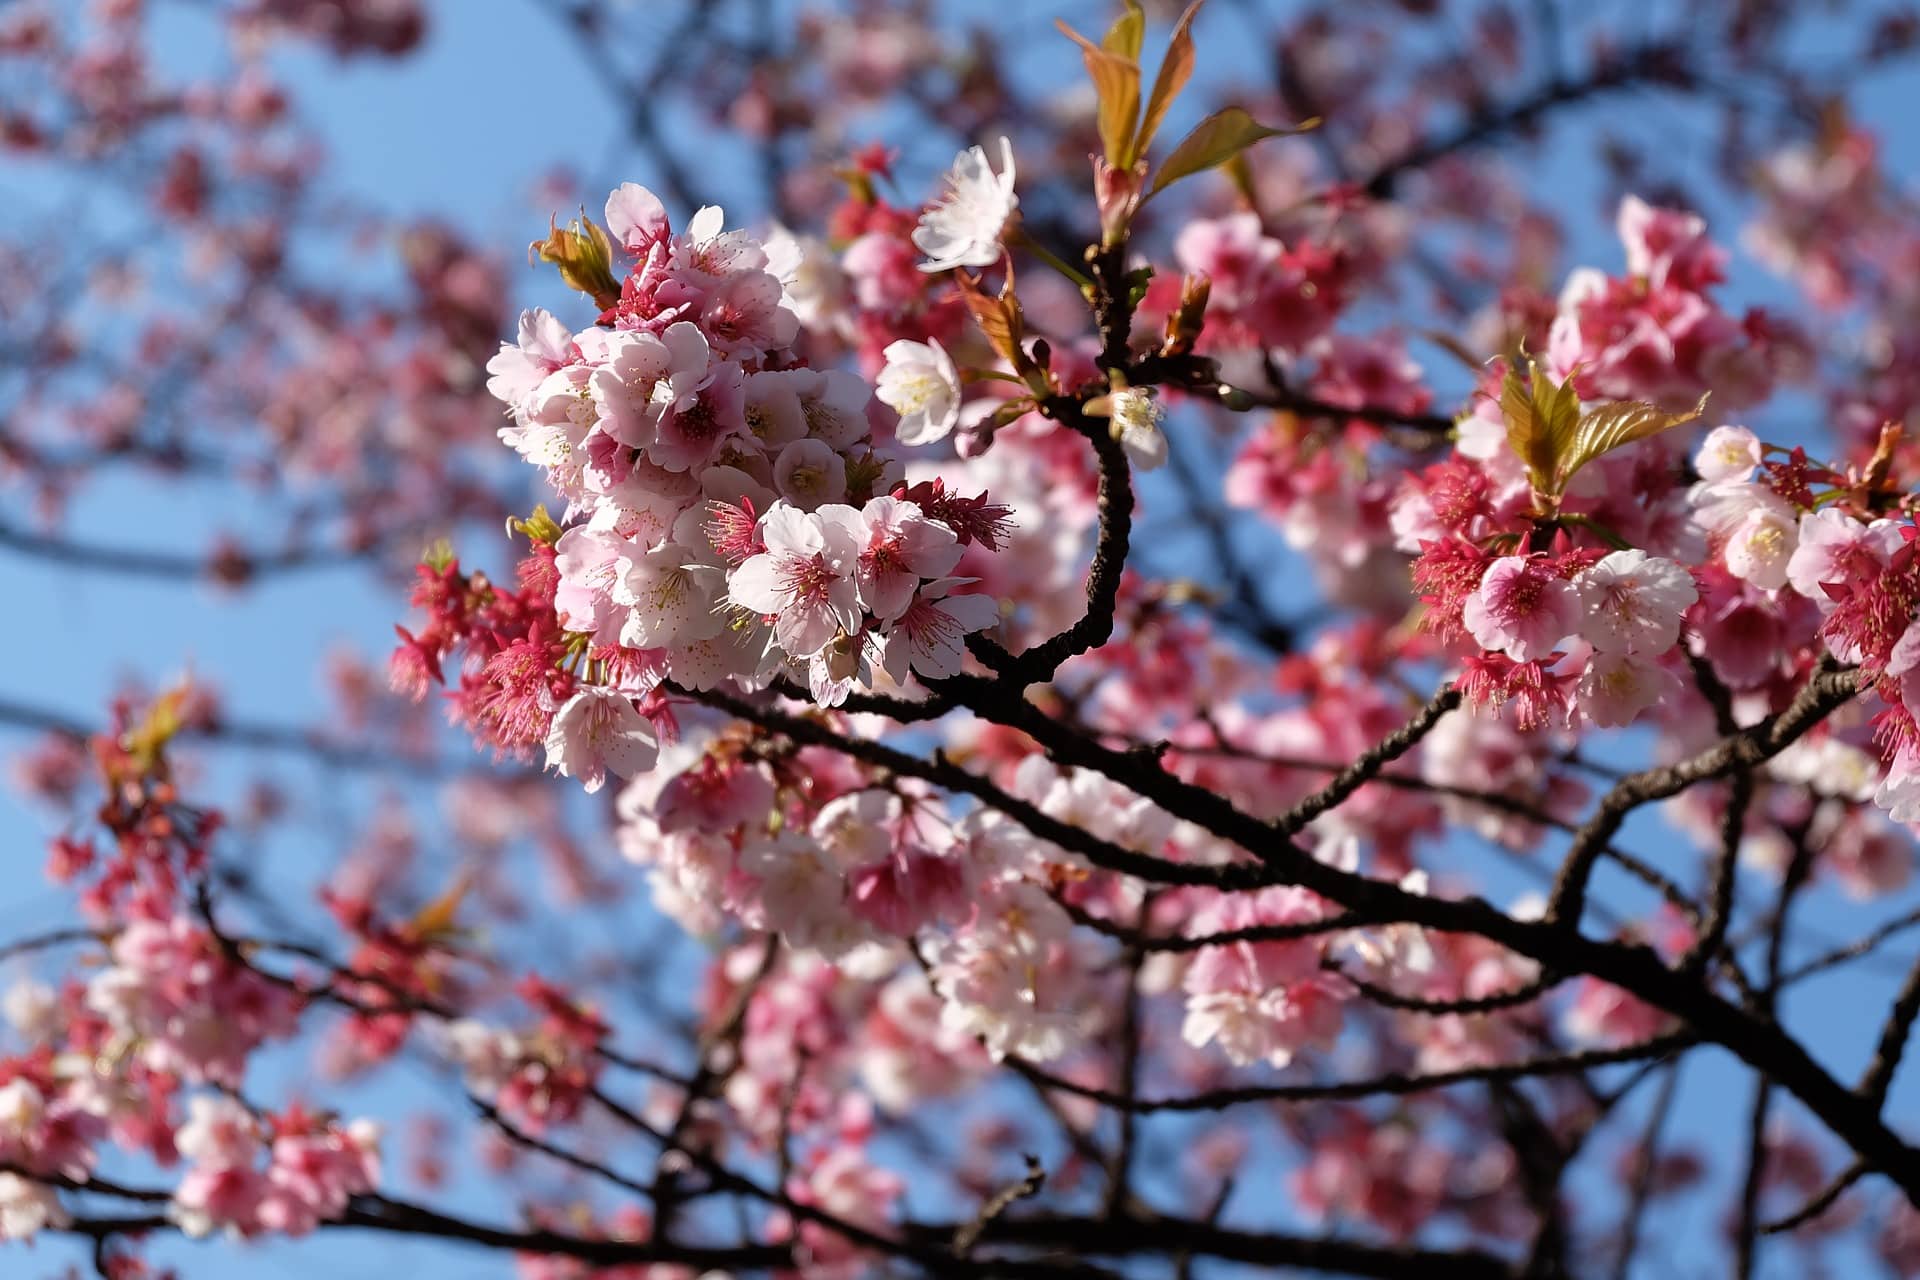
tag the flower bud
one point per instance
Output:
(1184, 324)
(1116, 193)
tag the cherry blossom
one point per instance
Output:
(596, 732)
(804, 580)
(1632, 603)
(921, 384)
(930, 635)
(1137, 416)
(1728, 455)
(1521, 608)
(963, 228)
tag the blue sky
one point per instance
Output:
(461, 132)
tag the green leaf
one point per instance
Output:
(1606, 428)
(1116, 82)
(1127, 33)
(1008, 412)
(1174, 72)
(1541, 416)
(1215, 140)
(146, 740)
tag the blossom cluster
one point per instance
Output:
(540, 1077)
(284, 1174)
(1796, 536)
(113, 1061)
(1658, 332)
(175, 995)
(731, 514)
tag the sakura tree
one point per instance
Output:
(1130, 676)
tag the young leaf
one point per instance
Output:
(1116, 82)
(1238, 172)
(1606, 428)
(145, 740)
(998, 318)
(436, 919)
(1127, 33)
(1174, 72)
(1541, 418)
(1215, 140)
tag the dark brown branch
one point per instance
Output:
(1647, 65)
(1390, 1084)
(1893, 1041)
(1635, 968)
(1819, 1204)
(1147, 1233)
(1287, 932)
(997, 1204)
(1826, 691)
(1114, 501)
(46, 941)
(944, 773)
(1369, 765)
(1746, 1235)
(1713, 933)
(1634, 866)
(1865, 945)
(1646, 1164)
(1465, 1005)
(381, 1213)
(249, 735)
(377, 1213)
(572, 1159)
(633, 94)
(1204, 511)
(1200, 376)
(665, 1188)
(1120, 1166)
(232, 569)
(1435, 425)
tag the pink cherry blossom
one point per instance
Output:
(1727, 455)
(1832, 547)
(804, 580)
(1618, 687)
(809, 474)
(1669, 247)
(929, 636)
(1521, 608)
(636, 218)
(519, 369)
(902, 548)
(597, 732)
(624, 387)
(1632, 603)
(694, 426)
